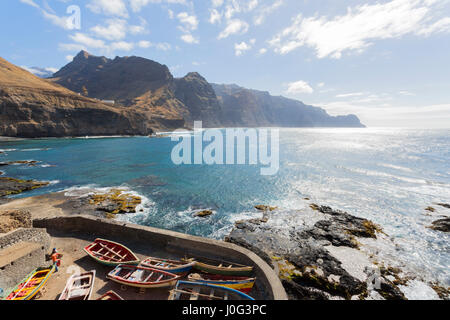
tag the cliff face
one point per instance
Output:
(34, 107)
(247, 107)
(200, 100)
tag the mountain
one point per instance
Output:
(133, 83)
(200, 99)
(33, 107)
(246, 107)
(143, 84)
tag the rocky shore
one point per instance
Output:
(327, 254)
(11, 186)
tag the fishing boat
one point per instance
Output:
(224, 268)
(31, 285)
(142, 277)
(111, 253)
(187, 290)
(242, 284)
(79, 287)
(110, 295)
(172, 266)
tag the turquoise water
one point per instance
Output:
(387, 175)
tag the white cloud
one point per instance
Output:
(144, 44)
(352, 94)
(359, 27)
(41, 72)
(109, 7)
(299, 87)
(69, 57)
(87, 41)
(406, 93)
(262, 51)
(189, 38)
(235, 26)
(30, 2)
(138, 29)
(164, 46)
(64, 22)
(321, 84)
(121, 46)
(137, 5)
(266, 10)
(189, 22)
(217, 3)
(215, 16)
(116, 29)
(240, 48)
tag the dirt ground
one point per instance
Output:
(75, 259)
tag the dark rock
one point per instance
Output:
(10, 186)
(389, 291)
(441, 225)
(443, 293)
(445, 205)
(307, 268)
(116, 201)
(296, 291)
(317, 275)
(341, 229)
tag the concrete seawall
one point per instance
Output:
(170, 241)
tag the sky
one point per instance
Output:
(386, 61)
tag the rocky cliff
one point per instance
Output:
(33, 107)
(247, 107)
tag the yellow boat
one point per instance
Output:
(31, 285)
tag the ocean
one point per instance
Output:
(383, 174)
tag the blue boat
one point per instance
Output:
(172, 266)
(187, 290)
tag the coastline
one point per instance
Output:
(338, 252)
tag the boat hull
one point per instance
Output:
(188, 290)
(38, 275)
(234, 271)
(98, 244)
(118, 275)
(175, 267)
(110, 295)
(83, 283)
(244, 285)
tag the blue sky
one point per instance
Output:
(385, 61)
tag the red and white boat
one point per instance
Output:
(110, 295)
(111, 253)
(142, 277)
(79, 287)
